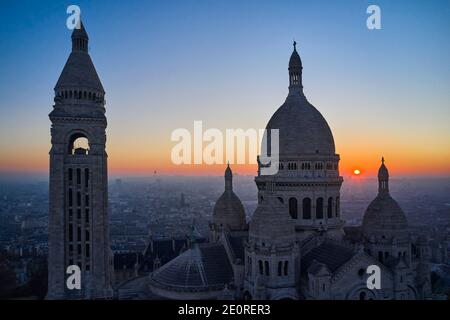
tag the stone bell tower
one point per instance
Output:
(78, 209)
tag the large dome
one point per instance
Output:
(302, 129)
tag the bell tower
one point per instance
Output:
(78, 207)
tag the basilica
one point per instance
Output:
(295, 246)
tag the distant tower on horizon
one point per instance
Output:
(78, 214)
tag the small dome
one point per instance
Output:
(302, 129)
(229, 211)
(384, 215)
(271, 222)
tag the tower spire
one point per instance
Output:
(80, 38)
(228, 178)
(383, 179)
(295, 72)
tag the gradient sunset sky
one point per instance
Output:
(165, 64)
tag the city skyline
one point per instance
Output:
(359, 79)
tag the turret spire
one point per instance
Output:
(228, 178)
(295, 72)
(80, 38)
(383, 179)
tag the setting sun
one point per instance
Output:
(357, 172)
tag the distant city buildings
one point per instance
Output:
(301, 234)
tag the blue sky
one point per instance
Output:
(165, 64)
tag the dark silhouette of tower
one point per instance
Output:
(78, 215)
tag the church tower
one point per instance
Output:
(308, 181)
(78, 209)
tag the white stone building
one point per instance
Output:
(295, 245)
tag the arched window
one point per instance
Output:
(286, 268)
(78, 144)
(306, 208)
(70, 232)
(78, 176)
(266, 265)
(86, 177)
(70, 197)
(260, 264)
(337, 207)
(279, 267)
(380, 256)
(293, 208)
(330, 208)
(319, 208)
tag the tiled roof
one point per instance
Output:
(198, 268)
(333, 255)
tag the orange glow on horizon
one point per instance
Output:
(135, 159)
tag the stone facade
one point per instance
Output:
(78, 217)
(296, 246)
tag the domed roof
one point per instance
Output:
(228, 210)
(302, 129)
(271, 221)
(383, 214)
(200, 268)
(294, 60)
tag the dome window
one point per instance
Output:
(306, 208)
(293, 209)
(319, 208)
